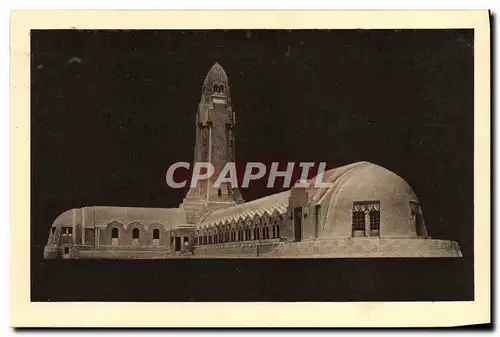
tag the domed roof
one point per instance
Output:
(216, 80)
(365, 182)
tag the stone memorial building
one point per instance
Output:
(366, 212)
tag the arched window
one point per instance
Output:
(216, 88)
(221, 88)
(156, 233)
(114, 233)
(135, 233)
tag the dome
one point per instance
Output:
(216, 81)
(363, 187)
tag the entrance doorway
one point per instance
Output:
(297, 223)
(177, 243)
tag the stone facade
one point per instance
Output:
(365, 212)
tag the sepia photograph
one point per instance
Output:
(252, 165)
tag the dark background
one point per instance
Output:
(111, 110)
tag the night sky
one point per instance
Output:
(111, 110)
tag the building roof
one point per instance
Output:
(267, 205)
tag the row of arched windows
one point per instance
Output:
(115, 233)
(257, 233)
(219, 88)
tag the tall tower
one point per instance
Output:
(215, 122)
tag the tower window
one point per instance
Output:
(216, 88)
(221, 88)
(135, 233)
(156, 233)
(114, 233)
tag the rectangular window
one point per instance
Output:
(358, 223)
(375, 223)
(89, 236)
(317, 215)
(366, 218)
